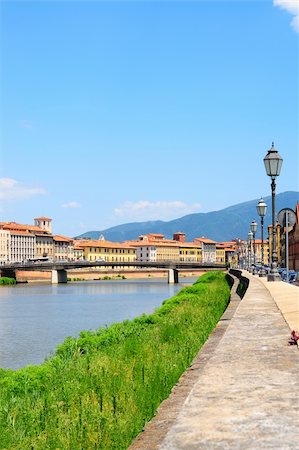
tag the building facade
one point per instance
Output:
(102, 250)
(4, 246)
(294, 243)
(63, 248)
(208, 249)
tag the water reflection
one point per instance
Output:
(34, 319)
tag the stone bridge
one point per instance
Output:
(59, 269)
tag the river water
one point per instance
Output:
(35, 318)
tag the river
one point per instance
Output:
(35, 318)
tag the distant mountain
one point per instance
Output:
(224, 225)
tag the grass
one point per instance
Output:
(7, 280)
(99, 390)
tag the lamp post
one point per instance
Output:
(253, 228)
(262, 211)
(250, 235)
(273, 163)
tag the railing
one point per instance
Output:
(47, 265)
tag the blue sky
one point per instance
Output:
(115, 112)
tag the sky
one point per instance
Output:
(116, 111)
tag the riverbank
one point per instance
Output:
(98, 391)
(100, 274)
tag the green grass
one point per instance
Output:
(7, 280)
(99, 390)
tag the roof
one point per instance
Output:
(43, 218)
(59, 238)
(157, 244)
(20, 227)
(204, 240)
(103, 244)
(22, 233)
(189, 245)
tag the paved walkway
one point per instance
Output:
(246, 392)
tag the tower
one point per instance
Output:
(44, 223)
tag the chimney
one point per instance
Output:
(180, 237)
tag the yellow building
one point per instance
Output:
(278, 242)
(220, 254)
(103, 250)
(258, 251)
(155, 247)
(190, 252)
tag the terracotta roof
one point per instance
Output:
(189, 245)
(20, 227)
(158, 244)
(78, 246)
(43, 218)
(259, 241)
(22, 233)
(227, 243)
(205, 240)
(103, 244)
(59, 238)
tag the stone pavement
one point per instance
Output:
(245, 393)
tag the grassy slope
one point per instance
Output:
(99, 390)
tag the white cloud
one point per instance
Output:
(13, 190)
(71, 205)
(292, 6)
(144, 210)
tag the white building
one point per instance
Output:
(208, 250)
(4, 246)
(22, 246)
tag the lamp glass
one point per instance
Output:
(253, 226)
(261, 208)
(273, 162)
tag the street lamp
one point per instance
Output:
(253, 228)
(250, 236)
(262, 211)
(273, 163)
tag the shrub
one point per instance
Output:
(7, 280)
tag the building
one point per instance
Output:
(294, 243)
(278, 243)
(220, 253)
(63, 248)
(102, 250)
(208, 249)
(190, 252)
(4, 246)
(155, 247)
(44, 223)
(22, 246)
(258, 251)
(20, 242)
(78, 251)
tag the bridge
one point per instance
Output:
(59, 268)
